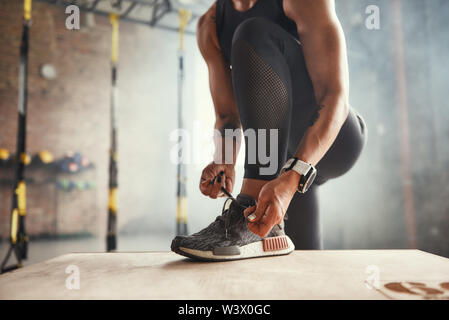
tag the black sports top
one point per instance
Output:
(228, 19)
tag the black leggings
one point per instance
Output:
(274, 91)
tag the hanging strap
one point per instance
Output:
(181, 215)
(18, 236)
(27, 10)
(184, 18)
(114, 19)
(111, 238)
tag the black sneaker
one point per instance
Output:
(228, 237)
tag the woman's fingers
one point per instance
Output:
(256, 214)
(263, 221)
(257, 224)
(268, 220)
(249, 211)
(205, 186)
(212, 182)
(217, 183)
(205, 182)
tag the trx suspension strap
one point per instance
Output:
(111, 238)
(18, 237)
(181, 213)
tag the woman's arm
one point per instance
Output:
(226, 112)
(324, 48)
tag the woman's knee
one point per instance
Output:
(251, 29)
(346, 149)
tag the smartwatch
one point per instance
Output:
(306, 171)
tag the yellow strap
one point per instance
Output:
(113, 200)
(114, 19)
(184, 18)
(178, 210)
(184, 209)
(21, 198)
(14, 225)
(181, 210)
(27, 9)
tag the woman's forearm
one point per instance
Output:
(333, 111)
(227, 140)
(325, 54)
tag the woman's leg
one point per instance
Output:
(345, 150)
(303, 223)
(267, 63)
(262, 87)
(274, 91)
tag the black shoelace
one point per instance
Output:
(226, 211)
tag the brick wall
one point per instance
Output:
(72, 113)
(68, 113)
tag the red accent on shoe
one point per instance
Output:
(275, 243)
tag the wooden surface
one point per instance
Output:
(351, 274)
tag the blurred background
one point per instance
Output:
(395, 197)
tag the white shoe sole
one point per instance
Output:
(252, 250)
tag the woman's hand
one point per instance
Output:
(214, 177)
(274, 199)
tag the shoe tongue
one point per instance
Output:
(245, 200)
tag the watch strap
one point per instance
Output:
(297, 165)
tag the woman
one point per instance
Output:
(280, 67)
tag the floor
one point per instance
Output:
(325, 274)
